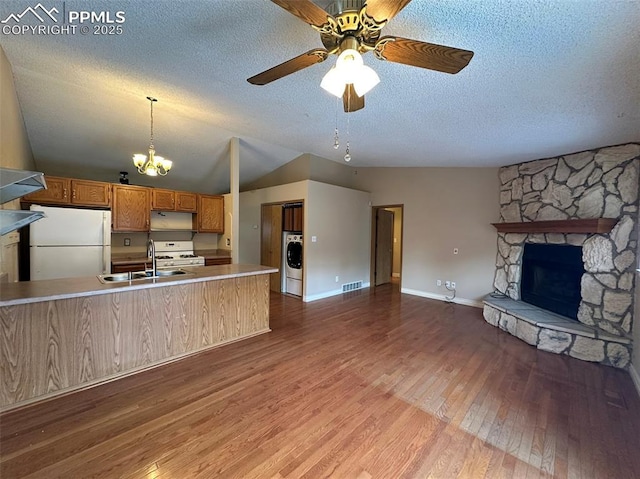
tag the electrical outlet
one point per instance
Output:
(337, 278)
(228, 241)
(438, 282)
(453, 285)
(127, 241)
(447, 284)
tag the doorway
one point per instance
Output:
(277, 222)
(386, 244)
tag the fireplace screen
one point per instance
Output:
(551, 276)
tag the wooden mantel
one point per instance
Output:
(595, 225)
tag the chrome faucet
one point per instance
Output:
(151, 253)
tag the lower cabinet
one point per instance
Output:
(125, 268)
(215, 261)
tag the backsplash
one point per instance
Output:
(139, 240)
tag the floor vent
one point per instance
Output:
(351, 286)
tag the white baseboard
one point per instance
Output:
(328, 294)
(635, 378)
(442, 297)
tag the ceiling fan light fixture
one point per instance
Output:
(366, 80)
(333, 82)
(350, 69)
(151, 165)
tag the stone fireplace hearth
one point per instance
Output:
(593, 184)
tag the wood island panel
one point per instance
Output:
(55, 346)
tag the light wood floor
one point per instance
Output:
(372, 384)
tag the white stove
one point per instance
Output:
(170, 254)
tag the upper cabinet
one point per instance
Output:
(131, 208)
(186, 202)
(210, 216)
(163, 200)
(90, 193)
(292, 219)
(169, 200)
(132, 205)
(70, 191)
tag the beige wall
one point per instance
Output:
(15, 152)
(444, 208)
(307, 167)
(250, 210)
(338, 217)
(228, 226)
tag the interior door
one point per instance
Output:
(384, 246)
(271, 243)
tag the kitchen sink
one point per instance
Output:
(170, 272)
(140, 275)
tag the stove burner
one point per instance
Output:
(163, 257)
(188, 255)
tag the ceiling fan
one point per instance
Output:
(351, 26)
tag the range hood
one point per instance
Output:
(13, 185)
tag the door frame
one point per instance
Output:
(372, 267)
(282, 272)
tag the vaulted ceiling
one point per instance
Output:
(548, 77)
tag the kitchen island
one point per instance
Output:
(62, 335)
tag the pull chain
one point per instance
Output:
(347, 156)
(336, 139)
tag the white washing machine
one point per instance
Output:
(293, 263)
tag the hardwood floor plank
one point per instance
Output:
(370, 384)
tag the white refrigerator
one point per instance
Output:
(69, 243)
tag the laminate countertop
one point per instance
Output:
(25, 292)
(122, 259)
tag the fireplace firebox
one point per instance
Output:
(551, 276)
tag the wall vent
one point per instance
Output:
(351, 286)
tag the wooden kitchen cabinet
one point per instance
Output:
(292, 218)
(169, 200)
(215, 261)
(90, 193)
(72, 192)
(186, 202)
(125, 268)
(57, 192)
(163, 200)
(210, 215)
(131, 209)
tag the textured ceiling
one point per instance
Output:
(548, 77)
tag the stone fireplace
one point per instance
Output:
(586, 204)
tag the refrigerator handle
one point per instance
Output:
(106, 242)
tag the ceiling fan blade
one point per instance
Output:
(305, 10)
(422, 54)
(350, 99)
(305, 60)
(384, 10)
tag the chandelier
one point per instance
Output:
(151, 165)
